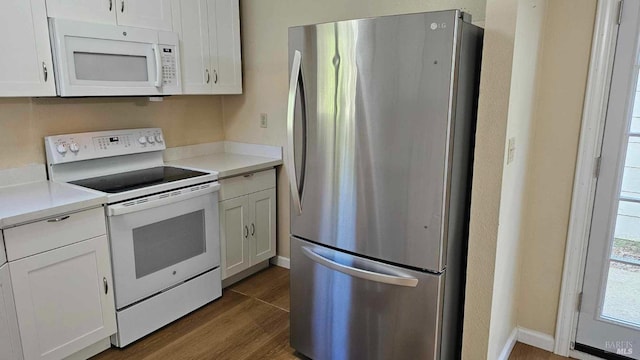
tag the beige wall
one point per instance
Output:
(493, 106)
(24, 122)
(528, 34)
(564, 66)
(265, 67)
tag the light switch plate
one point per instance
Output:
(263, 120)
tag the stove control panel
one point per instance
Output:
(95, 145)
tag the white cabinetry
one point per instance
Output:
(62, 284)
(96, 11)
(10, 348)
(148, 14)
(247, 221)
(25, 65)
(209, 33)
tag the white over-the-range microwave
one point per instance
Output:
(108, 60)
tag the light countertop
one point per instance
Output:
(227, 165)
(43, 199)
(228, 158)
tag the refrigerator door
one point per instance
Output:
(347, 307)
(370, 126)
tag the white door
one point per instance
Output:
(224, 39)
(25, 65)
(191, 22)
(148, 14)
(234, 235)
(609, 317)
(9, 334)
(95, 11)
(262, 212)
(64, 299)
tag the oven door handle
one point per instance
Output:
(157, 200)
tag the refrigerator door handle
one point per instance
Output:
(291, 105)
(360, 273)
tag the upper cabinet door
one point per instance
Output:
(224, 39)
(191, 22)
(96, 11)
(148, 14)
(26, 68)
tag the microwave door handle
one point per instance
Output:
(156, 51)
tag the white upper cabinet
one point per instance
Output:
(209, 33)
(194, 44)
(25, 67)
(225, 40)
(148, 14)
(96, 11)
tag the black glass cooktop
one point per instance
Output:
(137, 179)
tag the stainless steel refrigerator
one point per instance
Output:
(381, 117)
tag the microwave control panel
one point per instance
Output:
(94, 145)
(169, 65)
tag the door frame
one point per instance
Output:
(603, 48)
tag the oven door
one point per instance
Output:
(162, 240)
(106, 60)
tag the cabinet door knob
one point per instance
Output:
(208, 75)
(45, 71)
(246, 231)
(253, 229)
(106, 285)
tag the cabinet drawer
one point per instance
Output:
(247, 184)
(34, 238)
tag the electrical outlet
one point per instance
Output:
(263, 120)
(511, 150)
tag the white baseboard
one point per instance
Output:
(281, 261)
(536, 339)
(508, 347)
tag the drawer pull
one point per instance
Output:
(248, 175)
(62, 218)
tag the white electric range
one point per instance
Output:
(162, 221)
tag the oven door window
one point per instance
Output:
(169, 242)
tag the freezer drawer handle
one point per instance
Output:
(360, 273)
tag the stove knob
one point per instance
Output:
(151, 139)
(142, 140)
(62, 149)
(74, 147)
(159, 138)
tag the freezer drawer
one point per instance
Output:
(347, 307)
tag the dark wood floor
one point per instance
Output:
(250, 321)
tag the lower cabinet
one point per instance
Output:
(10, 348)
(64, 299)
(247, 226)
